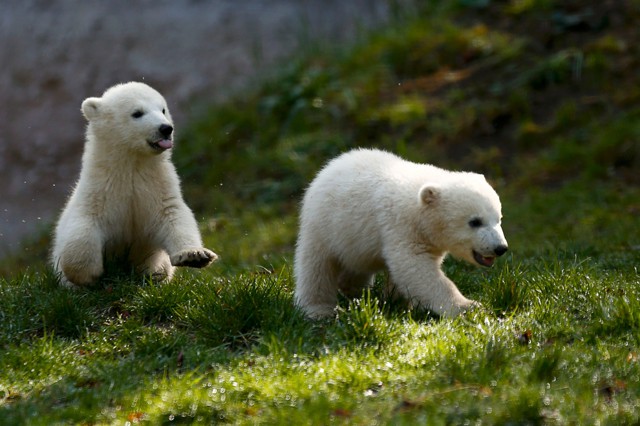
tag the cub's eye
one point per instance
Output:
(475, 222)
(164, 112)
(137, 114)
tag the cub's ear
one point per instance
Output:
(429, 194)
(91, 108)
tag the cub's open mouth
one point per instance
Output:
(483, 260)
(161, 144)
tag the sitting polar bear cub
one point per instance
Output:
(369, 209)
(127, 201)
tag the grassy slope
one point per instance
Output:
(540, 97)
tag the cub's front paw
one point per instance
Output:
(194, 258)
(458, 308)
(473, 306)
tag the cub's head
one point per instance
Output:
(463, 218)
(130, 117)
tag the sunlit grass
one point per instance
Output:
(557, 339)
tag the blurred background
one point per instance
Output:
(542, 96)
(55, 54)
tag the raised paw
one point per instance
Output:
(194, 258)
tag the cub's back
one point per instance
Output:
(352, 174)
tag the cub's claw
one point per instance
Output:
(194, 258)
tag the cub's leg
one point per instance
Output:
(316, 277)
(151, 262)
(78, 254)
(418, 278)
(181, 238)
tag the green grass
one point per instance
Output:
(557, 341)
(510, 89)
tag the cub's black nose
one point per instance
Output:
(500, 250)
(165, 130)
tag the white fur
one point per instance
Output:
(127, 202)
(368, 210)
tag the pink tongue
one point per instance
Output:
(488, 260)
(165, 143)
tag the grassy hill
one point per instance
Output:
(540, 95)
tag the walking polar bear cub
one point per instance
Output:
(127, 202)
(368, 210)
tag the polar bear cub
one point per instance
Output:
(127, 202)
(369, 209)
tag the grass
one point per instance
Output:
(540, 96)
(557, 342)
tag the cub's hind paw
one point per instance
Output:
(194, 258)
